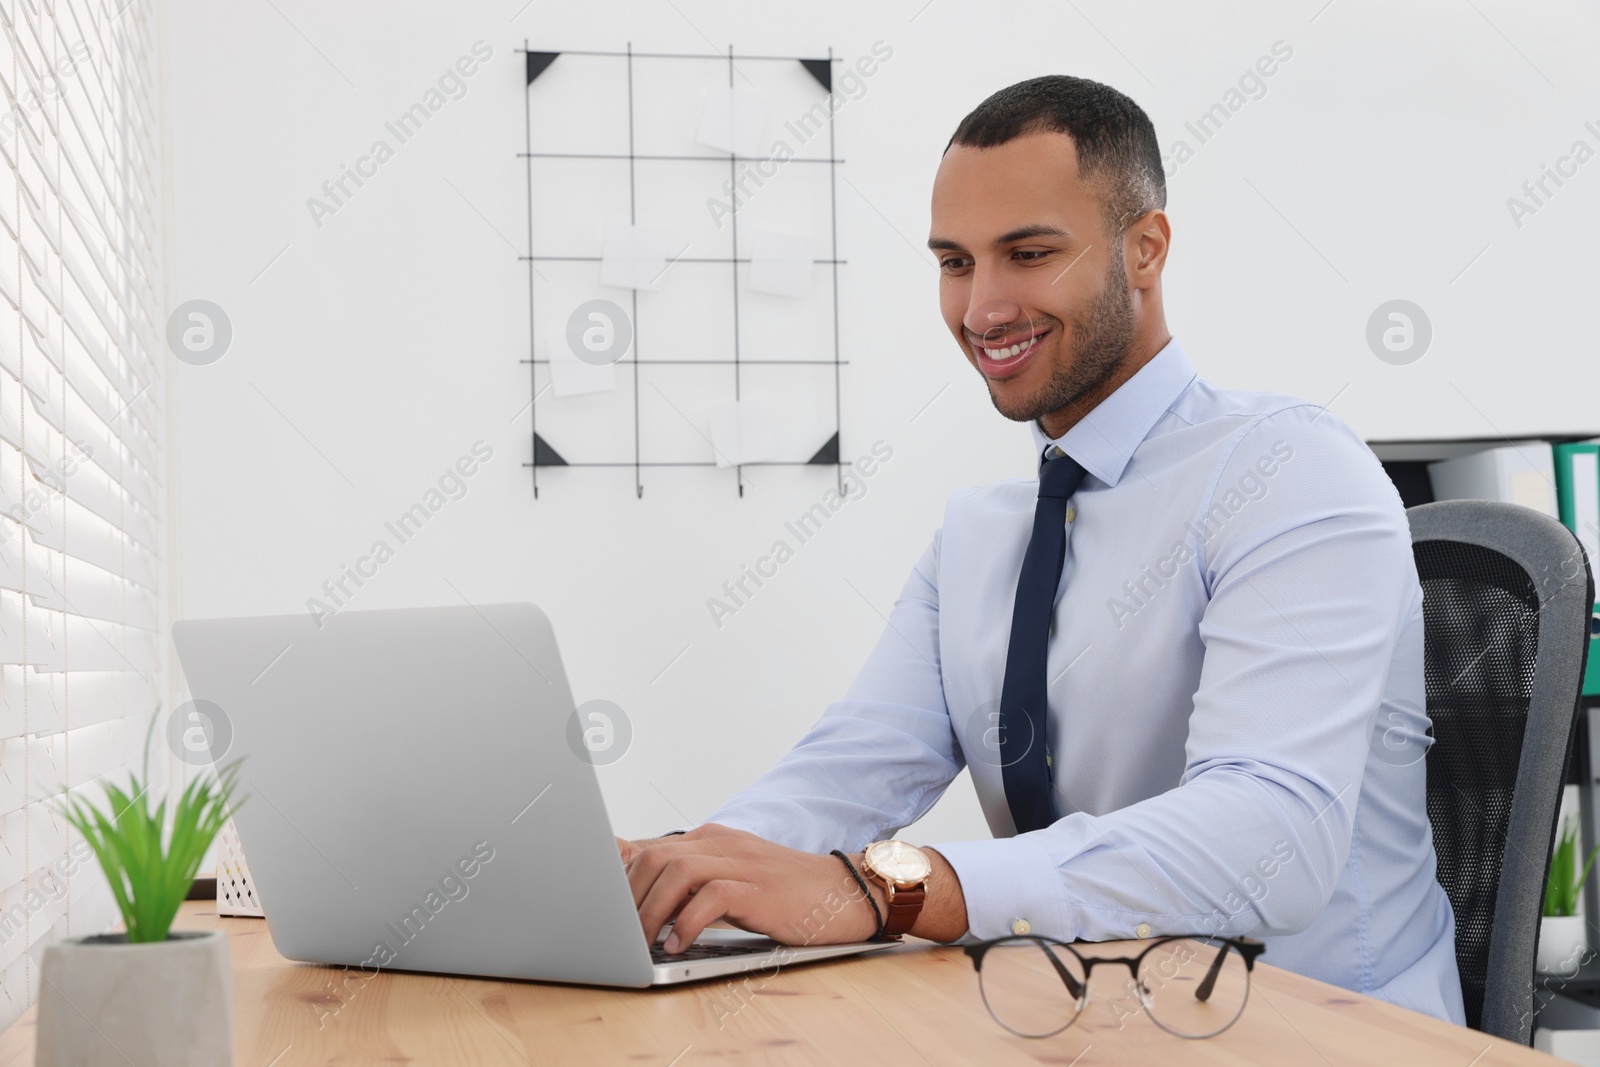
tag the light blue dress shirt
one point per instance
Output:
(1237, 719)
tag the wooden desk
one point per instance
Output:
(915, 1004)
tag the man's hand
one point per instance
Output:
(798, 898)
(629, 849)
(716, 872)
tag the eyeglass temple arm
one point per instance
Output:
(1202, 992)
(1248, 949)
(1073, 985)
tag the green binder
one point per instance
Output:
(1578, 498)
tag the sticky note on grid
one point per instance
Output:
(781, 263)
(732, 121)
(634, 257)
(741, 432)
(571, 376)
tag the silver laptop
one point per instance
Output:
(413, 803)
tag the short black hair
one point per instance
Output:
(1115, 139)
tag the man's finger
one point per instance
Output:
(646, 866)
(647, 863)
(711, 903)
(627, 849)
(678, 880)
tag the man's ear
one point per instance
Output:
(1150, 237)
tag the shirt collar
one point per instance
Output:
(1104, 440)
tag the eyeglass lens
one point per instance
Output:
(1194, 987)
(1031, 988)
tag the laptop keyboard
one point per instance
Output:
(659, 953)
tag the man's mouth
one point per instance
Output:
(1003, 361)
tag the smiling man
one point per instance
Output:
(1183, 664)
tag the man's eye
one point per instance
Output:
(953, 263)
(1029, 256)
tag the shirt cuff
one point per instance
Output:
(1009, 882)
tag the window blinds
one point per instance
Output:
(81, 430)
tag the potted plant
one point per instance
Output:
(1562, 940)
(148, 995)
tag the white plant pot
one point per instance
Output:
(103, 1001)
(1563, 941)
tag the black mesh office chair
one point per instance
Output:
(1507, 596)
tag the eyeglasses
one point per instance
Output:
(1191, 986)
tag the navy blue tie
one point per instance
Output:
(1024, 695)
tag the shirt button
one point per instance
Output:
(1143, 930)
(1072, 513)
(1021, 927)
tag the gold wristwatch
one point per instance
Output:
(902, 869)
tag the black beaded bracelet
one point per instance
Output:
(865, 891)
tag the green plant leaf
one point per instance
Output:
(150, 857)
(1584, 877)
(1564, 883)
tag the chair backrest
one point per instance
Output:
(1507, 596)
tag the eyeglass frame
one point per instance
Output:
(1249, 948)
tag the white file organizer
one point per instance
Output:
(236, 894)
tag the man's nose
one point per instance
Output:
(990, 318)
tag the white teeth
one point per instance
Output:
(1000, 354)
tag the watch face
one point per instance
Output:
(899, 862)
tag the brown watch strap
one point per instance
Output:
(904, 907)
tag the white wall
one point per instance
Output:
(374, 350)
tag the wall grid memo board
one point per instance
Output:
(544, 453)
